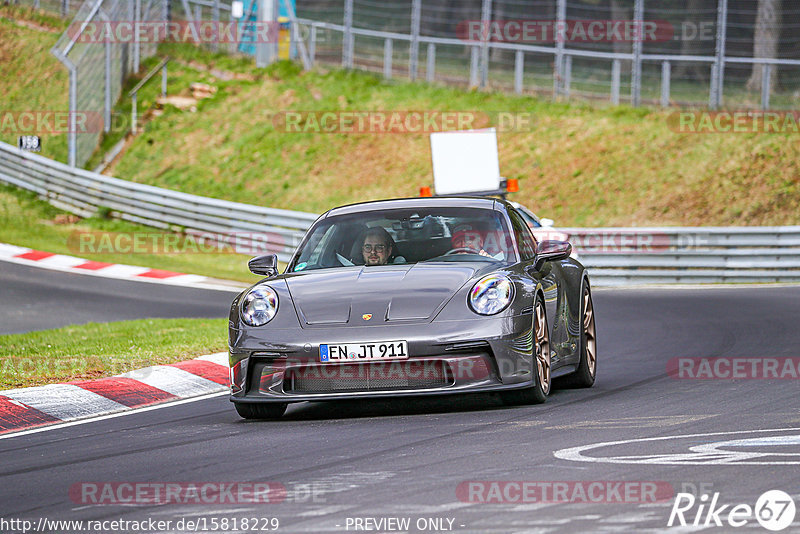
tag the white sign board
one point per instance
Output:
(465, 161)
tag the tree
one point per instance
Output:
(765, 42)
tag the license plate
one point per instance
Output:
(363, 352)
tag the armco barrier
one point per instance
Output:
(687, 255)
(614, 256)
(83, 192)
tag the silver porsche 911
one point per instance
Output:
(409, 297)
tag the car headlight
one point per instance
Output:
(491, 294)
(259, 306)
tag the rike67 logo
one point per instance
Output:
(774, 510)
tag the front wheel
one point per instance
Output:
(260, 410)
(585, 374)
(538, 392)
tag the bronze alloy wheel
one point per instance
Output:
(540, 359)
(584, 374)
(542, 347)
(590, 341)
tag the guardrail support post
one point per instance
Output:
(665, 80)
(616, 69)
(519, 66)
(430, 67)
(387, 59)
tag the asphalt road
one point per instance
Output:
(33, 298)
(345, 465)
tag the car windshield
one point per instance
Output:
(405, 236)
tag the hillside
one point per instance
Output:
(26, 37)
(580, 164)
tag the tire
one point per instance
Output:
(260, 410)
(584, 375)
(538, 392)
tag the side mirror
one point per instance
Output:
(266, 265)
(547, 223)
(551, 251)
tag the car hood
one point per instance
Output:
(364, 296)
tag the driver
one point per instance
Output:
(465, 240)
(378, 247)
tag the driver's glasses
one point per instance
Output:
(377, 248)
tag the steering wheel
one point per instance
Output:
(462, 250)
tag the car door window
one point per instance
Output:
(525, 240)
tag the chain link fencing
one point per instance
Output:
(736, 54)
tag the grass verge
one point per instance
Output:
(29, 222)
(579, 164)
(96, 350)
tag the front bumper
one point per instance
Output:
(484, 354)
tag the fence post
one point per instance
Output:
(72, 157)
(64, 11)
(636, 67)
(765, 68)
(137, 17)
(267, 53)
(107, 91)
(134, 105)
(164, 81)
(560, 34)
(312, 44)
(616, 69)
(567, 75)
(718, 69)
(519, 66)
(473, 66)
(387, 59)
(430, 67)
(665, 79)
(486, 20)
(347, 42)
(215, 16)
(413, 47)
